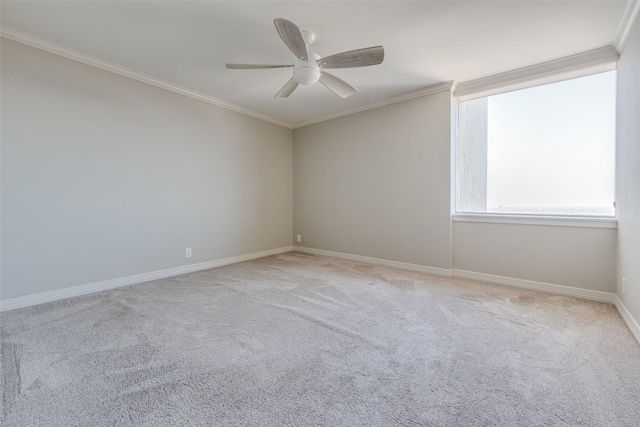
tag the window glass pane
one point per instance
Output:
(548, 149)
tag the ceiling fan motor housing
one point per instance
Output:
(307, 72)
(308, 67)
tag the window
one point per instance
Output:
(544, 150)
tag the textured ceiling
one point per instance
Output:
(426, 43)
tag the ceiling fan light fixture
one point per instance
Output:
(307, 66)
(306, 74)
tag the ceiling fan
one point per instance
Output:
(308, 67)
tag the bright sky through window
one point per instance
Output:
(551, 148)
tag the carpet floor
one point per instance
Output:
(295, 339)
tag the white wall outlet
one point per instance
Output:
(299, 238)
(624, 286)
(187, 253)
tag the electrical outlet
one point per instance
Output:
(299, 238)
(187, 253)
(624, 286)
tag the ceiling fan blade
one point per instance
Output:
(292, 36)
(336, 85)
(354, 58)
(287, 89)
(254, 66)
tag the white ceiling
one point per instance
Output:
(426, 42)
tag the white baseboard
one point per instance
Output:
(607, 297)
(376, 261)
(40, 298)
(633, 325)
(569, 291)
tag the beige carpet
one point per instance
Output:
(300, 340)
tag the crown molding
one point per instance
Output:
(590, 62)
(84, 58)
(626, 23)
(429, 90)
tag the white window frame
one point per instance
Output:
(587, 63)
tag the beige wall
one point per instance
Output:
(105, 177)
(628, 168)
(569, 256)
(376, 183)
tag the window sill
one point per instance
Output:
(561, 221)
